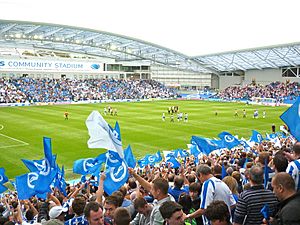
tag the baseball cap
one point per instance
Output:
(56, 211)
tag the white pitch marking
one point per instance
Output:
(23, 143)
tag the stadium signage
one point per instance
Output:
(47, 65)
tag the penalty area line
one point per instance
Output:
(9, 146)
(14, 139)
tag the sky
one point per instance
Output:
(192, 27)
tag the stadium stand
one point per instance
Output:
(62, 90)
(279, 91)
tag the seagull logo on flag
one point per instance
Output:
(228, 138)
(87, 164)
(111, 159)
(151, 159)
(1, 178)
(31, 177)
(118, 175)
(259, 137)
(44, 168)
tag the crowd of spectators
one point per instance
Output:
(20, 90)
(213, 189)
(276, 90)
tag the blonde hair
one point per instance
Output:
(231, 183)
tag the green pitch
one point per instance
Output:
(22, 128)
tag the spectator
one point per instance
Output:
(144, 210)
(284, 189)
(217, 213)
(93, 213)
(172, 213)
(121, 216)
(294, 166)
(110, 205)
(177, 189)
(251, 201)
(212, 189)
(159, 189)
(57, 215)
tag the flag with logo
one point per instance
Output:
(36, 165)
(102, 135)
(116, 176)
(205, 145)
(150, 159)
(26, 184)
(173, 163)
(256, 137)
(48, 172)
(142, 162)
(229, 141)
(85, 166)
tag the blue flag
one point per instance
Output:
(48, 170)
(173, 163)
(229, 141)
(178, 152)
(60, 181)
(150, 159)
(83, 179)
(26, 185)
(116, 177)
(84, 166)
(194, 150)
(204, 144)
(129, 157)
(245, 144)
(2, 188)
(256, 137)
(142, 162)
(219, 143)
(36, 165)
(48, 151)
(113, 158)
(224, 173)
(3, 177)
(265, 211)
(291, 117)
(182, 153)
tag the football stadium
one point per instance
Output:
(102, 128)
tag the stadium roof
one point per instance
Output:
(17, 34)
(258, 58)
(53, 37)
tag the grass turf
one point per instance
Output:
(22, 128)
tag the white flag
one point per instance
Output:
(102, 135)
